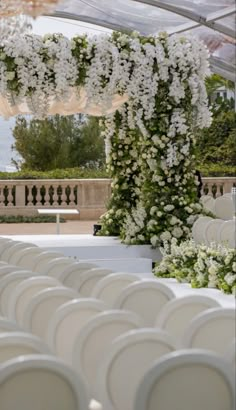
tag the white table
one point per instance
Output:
(58, 212)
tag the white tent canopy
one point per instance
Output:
(211, 20)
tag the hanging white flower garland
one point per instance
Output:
(163, 78)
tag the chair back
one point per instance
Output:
(146, 298)
(70, 319)
(24, 292)
(213, 330)
(109, 287)
(187, 379)
(43, 305)
(176, 315)
(127, 360)
(41, 382)
(94, 340)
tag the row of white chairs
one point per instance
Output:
(137, 359)
(97, 334)
(71, 317)
(208, 230)
(222, 207)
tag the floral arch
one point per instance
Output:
(158, 82)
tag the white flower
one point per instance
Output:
(169, 208)
(174, 220)
(154, 240)
(165, 236)
(177, 232)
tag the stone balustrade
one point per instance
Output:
(89, 196)
(24, 197)
(217, 186)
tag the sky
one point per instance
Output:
(41, 26)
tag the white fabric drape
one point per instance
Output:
(74, 104)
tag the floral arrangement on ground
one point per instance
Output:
(211, 266)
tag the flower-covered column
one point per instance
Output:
(123, 165)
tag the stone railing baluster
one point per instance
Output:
(63, 196)
(2, 196)
(30, 195)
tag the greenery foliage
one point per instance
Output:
(124, 170)
(68, 173)
(217, 144)
(12, 219)
(59, 142)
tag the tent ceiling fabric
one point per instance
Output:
(212, 20)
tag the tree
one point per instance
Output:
(217, 144)
(58, 142)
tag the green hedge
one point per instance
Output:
(217, 170)
(12, 219)
(207, 170)
(69, 173)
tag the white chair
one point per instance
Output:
(213, 330)
(8, 283)
(42, 306)
(224, 208)
(198, 228)
(24, 292)
(227, 234)
(208, 202)
(7, 254)
(230, 354)
(146, 298)
(41, 382)
(16, 256)
(26, 257)
(187, 379)
(69, 319)
(95, 339)
(5, 245)
(5, 269)
(86, 282)
(125, 364)
(41, 261)
(71, 273)
(57, 266)
(211, 231)
(7, 325)
(109, 287)
(176, 315)
(15, 344)
(3, 240)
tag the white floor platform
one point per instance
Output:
(90, 247)
(107, 252)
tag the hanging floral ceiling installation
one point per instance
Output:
(149, 140)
